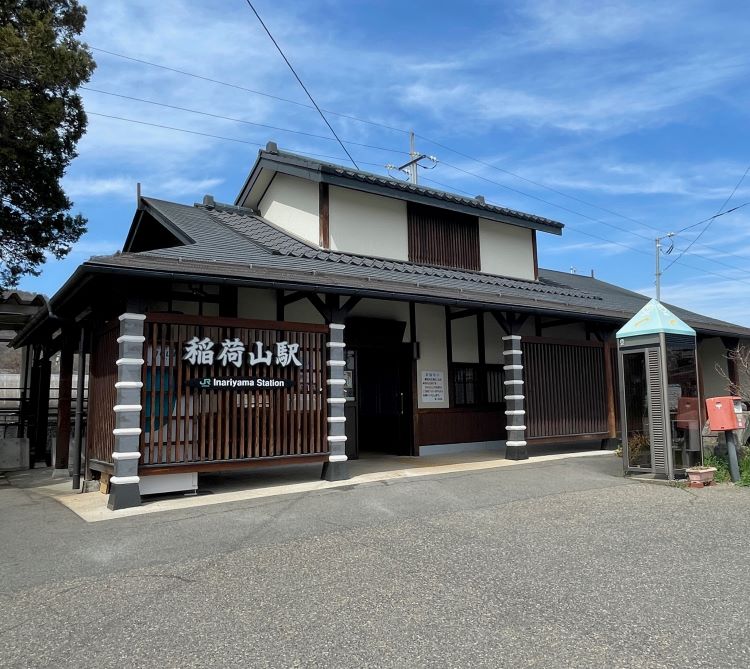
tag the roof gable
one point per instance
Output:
(272, 160)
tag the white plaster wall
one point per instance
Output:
(367, 224)
(292, 204)
(256, 303)
(185, 307)
(464, 339)
(573, 331)
(397, 311)
(433, 356)
(506, 250)
(302, 311)
(711, 352)
(493, 342)
(744, 379)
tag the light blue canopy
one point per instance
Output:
(653, 319)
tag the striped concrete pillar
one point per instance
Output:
(124, 489)
(515, 414)
(336, 468)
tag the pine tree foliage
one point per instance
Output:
(42, 64)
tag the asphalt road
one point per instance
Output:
(560, 564)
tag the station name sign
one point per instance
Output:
(234, 352)
(239, 383)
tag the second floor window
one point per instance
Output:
(443, 238)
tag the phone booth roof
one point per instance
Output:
(654, 318)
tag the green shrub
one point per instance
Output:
(745, 471)
(722, 467)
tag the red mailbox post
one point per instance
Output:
(725, 415)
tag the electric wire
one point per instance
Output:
(436, 143)
(604, 239)
(240, 120)
(245, 89)
(206, 134)
(329, 157)
(304, 88)
(712, 219)
(441, 145)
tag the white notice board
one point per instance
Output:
(433, 387)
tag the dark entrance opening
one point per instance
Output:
(379, 388)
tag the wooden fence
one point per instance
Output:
(184, 424)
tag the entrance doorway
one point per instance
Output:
(379, 389)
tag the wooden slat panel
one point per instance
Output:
(564, 388)
(449, 426)
(187, 426)
(102, 393)
(443, 238)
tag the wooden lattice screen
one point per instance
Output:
(565, 388)
(184, 425)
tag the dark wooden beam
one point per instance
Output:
(465, 313)
(280, 304)
(352, 302)
(320, 306)
(609, 382)
(228, 296)
(534, 252)
(502, 321)
(64, 397)
(323, 213)
(554, 322)
(480, 339)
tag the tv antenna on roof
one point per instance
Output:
(411, 167)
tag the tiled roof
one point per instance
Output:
(235, 243)
(283, 159)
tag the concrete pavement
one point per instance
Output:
(562, 563)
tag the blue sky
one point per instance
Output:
(639, 108)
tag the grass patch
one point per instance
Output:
(722, 468)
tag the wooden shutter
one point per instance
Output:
(443, 238)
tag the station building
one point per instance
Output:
(330, 312)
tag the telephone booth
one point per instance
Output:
(659, 393)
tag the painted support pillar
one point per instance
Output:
(64, 397)
(336, 468)
(515, 413)
(124, 484)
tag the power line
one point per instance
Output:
(304, 88)
(712, 219)
(205, 134)
(537, 183)
(448, 187)
(238, 120)
(243, 88)
(541, 199)
(586, 216)
(432, 141)
(604, 239)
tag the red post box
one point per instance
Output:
(724, 413)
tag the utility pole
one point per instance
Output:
(658, 262)
(411, 167)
